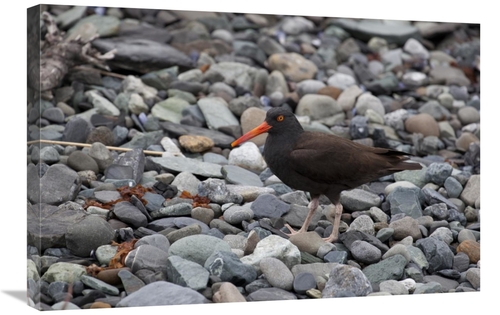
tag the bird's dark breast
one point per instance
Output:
(280, 166)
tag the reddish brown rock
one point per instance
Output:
(196, 144)
(422, 123)
(110, 276)
(100, 305)
(471, 249)
(331, 91)
(227, 293)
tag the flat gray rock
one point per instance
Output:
(88, 234)
(391, 31)
(162, 293)
(217, 113)
(57, 185)
(181, 164)
(240, 176)
(197, 248)
(47, 225)
(142, 54)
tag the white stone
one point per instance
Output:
(247, 156)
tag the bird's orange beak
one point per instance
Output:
(264, 127)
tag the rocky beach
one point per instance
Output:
(136, 198)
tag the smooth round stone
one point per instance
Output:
(422, 123)
(223, 34)
(468, 115)
(105, 253)
(365, 252)
(446, 100)
(49, 155)
(317, 106)
(54, 114)
(237, 214)
(80, 161)
(368, 101)
(341, 80)
(202, 214)
(304, 281)
(293, 66)
(465, 235)
(277, 273)
(453, 187)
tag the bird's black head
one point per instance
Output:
(279, 121)
(282, 120)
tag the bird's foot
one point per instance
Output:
(330, 239)
(292, 231)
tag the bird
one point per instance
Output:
(321, 163)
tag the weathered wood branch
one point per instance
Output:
(59, 56)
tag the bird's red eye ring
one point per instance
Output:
(280, 118)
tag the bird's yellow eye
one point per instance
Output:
(280, 118)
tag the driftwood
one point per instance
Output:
(60, 55)
(87, 145)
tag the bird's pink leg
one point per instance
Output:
(313, 205)
(336, 223)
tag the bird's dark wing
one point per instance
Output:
(331, 159)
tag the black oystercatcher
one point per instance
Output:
(321, 163)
